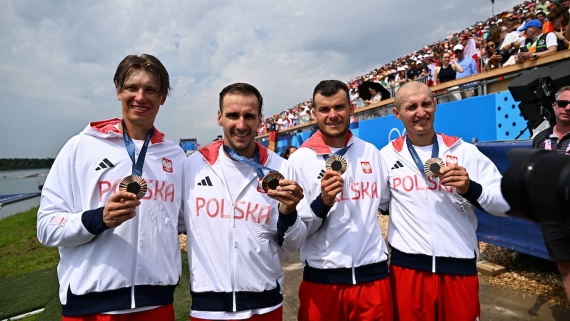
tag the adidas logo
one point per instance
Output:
(205, 182)
(321, 174)
(397, 165)
(104, 164)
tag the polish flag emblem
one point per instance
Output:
(167, 165)
(366, 167)
(451, 160)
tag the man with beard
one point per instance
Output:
(345, 273)
(435, 183)
(242, 213)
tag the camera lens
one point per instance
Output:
(537, 185)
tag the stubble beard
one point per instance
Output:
(335, 135)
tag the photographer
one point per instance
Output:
(557, 139)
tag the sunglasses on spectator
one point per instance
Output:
(562, 103)
(457, 51)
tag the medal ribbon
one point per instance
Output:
(416, 157)
(339, 152)
(130, 146)
(255, 163)
(548, 146)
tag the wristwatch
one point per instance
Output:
(534, 56)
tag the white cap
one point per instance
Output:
(500, 20)
(458, 47)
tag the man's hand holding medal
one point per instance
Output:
(288, 193)
(120, 207)
(331, 184)
(455, 176)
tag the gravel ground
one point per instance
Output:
(534, 275)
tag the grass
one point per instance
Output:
(28, 277)
(20, 250)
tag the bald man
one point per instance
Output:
(435, 182)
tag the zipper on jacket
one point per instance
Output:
(351, 222)
(233, 246)
(232, 263)
(136, 246)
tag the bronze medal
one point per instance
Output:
(271, 181)
(134, 184)
(432, 167)
(337, 163)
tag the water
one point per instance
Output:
(14, 182)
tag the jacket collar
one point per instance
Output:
(316, 143)
(106, 127)
(211, 153)
(449, 141)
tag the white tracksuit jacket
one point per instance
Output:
(433, 228)
(102, 269)
(345, 244)
(235, 263)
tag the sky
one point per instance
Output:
(58, 58)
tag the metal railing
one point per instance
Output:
(446, 92)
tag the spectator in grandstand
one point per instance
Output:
(390, 81)
(491, 58)
(292, 116)
(288, 151)
(468, 64)
(557, 139)
(261, 129)
(541, 16)
(356, 100)
(542, 5)
(273, 127)
(469, 68)
(376, 96)
(512, 39)
(423, 71)
(284, 122)
(401, 76)
(431, 67)
(555, 4)
(414, 72)
(448, 69)
(536, 44)
(559, 18)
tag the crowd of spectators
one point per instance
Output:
(531, 30)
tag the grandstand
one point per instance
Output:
(394, 73)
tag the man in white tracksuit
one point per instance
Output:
(238, 229)
(345, 271)
(120, 254)
(432, 221)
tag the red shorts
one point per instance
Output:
(420, 295)
(366, 301)
(162, 313)
(275, 315)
